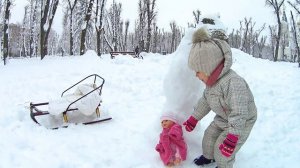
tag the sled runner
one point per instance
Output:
(82, 106)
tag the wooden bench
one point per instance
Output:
(132, 53)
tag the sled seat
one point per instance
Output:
(86, 99)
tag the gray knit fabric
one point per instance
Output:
(205, 54)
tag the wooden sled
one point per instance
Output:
(71, 115)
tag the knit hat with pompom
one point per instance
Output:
(205, 54)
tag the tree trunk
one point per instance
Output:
(5, 30)
(45, 33)
(71, 34)
(44, 14)
(277, 37)
(83, 32)
(276, 7)
(71, 26)
(295, 36)
(148, 26)
(99, 28)
(32, 26)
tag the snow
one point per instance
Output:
(186, 89)
(136, 93)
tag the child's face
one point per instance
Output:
(202, 76)
(166, 123)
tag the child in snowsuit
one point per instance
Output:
(227, 94)
(171, 147)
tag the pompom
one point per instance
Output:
(201, 35)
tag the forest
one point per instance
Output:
(94, 25)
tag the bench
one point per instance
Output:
(132, 53)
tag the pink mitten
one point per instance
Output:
(190, 124)
(228, 145)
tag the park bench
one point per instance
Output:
(132, 53)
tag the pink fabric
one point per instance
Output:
(215, 74)
(171, 140)
(190, 124)
(228, 145)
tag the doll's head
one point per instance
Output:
(168, 120)
(167, 123)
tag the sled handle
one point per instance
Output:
(95, 78)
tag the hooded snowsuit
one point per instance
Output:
(171, 142)
(229, 96)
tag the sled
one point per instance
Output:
(71, 114)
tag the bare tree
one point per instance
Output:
(295, 39)
(71, 7)
(7, 4)
(173, 27)
(33, 24)
(114, 27)
(260, 42)
(245, 30)
(175, 35)
(39, 15)
(197, 15)
(126, 35)
(23, 32)
(155, 38)
(47, 15)
(151, 14)
(273, 39)
(141, 25)
(99, 23)
(0, 6)
(276, 6)
(234, 38)
(251, 43)
(88, 15)
(294, 5)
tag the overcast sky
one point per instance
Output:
(231, 11)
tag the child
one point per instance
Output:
(171, 147)
(227, 94)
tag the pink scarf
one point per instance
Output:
(215, 74)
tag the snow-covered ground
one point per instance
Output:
(134, 96)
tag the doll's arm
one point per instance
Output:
(159, 148)
(164, 141)
(175, 132)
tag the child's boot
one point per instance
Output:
(201, 160)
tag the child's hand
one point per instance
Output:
(190, 124)
(228, 145)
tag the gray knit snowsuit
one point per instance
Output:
(232, 101)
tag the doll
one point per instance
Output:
(171, 147)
